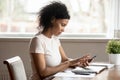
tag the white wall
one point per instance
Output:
(73, 48)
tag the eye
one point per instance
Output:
(63, 24)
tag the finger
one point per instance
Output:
(75, 64)
(86, 56)
(80, 65)
(85, 63)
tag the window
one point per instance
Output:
(87, 16)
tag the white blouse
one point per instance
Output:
(49, 47)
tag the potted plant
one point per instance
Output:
(113, 49)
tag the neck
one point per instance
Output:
(47, 33)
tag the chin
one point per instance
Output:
(57, 34)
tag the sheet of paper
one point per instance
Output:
(71, 74)
(89, 70)
(94, 67)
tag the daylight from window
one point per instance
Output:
(87, 16)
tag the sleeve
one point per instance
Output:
(36, 46)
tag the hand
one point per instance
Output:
(84, 61)
(81, 62)
(91, 59)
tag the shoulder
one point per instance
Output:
(37, 39)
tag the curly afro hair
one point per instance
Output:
(56, 10)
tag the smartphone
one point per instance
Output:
(91, 59)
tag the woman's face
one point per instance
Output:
(59, 26)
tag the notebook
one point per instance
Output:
(93, 68)
(107, 65)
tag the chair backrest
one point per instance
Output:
(16, 68)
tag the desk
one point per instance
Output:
(108, 74)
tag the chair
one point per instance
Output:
(16, 68)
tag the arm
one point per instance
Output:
(63, 55)
(39, 60)
(82, 62)
(44, 70)
(73, 62)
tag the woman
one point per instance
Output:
(46, 50)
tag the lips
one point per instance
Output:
(60, 32)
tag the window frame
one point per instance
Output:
(71, 35)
